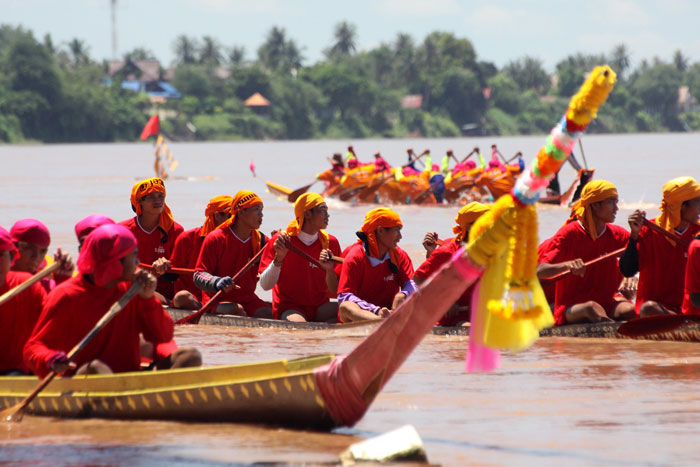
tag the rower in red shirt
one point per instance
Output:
(186, 252)
(32, 239)
(107, 261)
(87, 225)
(660, 261)
(226, 251)
(376, 276)
(300, 289)
(587, 295)
(459, 313)
(154, 229)
(691, 292)
(18, 315)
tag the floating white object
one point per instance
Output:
(401, 444)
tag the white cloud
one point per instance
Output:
(418, 7)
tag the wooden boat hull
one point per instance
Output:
(689, 333)
(277, 393)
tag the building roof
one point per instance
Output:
(256, 100)
(412, 101)
(135, 70)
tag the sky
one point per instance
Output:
(501, 31)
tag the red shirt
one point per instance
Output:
(73, 308)
(549, 288)
(377, 285)
(430, 266)
(662, 268)
(185, 254)
(18, 316)
(300, 282)
(601, 281)
(692, 278)
(224, 254)
(151, 247)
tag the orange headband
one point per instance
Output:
(244, 199)
(304, 203)
(146, 187)
(379, 217)
(468, 214)
(220, 203)
(593, 192)
(676, 192)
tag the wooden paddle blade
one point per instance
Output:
(350, 193)
(16, 412)
(641, 327)
(292, 197)
(278, 190)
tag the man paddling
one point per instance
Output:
(660, 261)
(32, 239)
(376, 276)
(107, 262)
(154, 228)
(186, 252)
(19, 315)
(227, 250)
(459, 313)
(301, 289)
(87, 225)
(587, 295)
(691, 290)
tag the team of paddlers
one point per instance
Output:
(467, 180)
(306, 267)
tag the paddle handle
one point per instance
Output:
(106, 318)
(561, 275)
(666, 233)
(29, 282)
(181, 271)
(194, 318)
(316, 262)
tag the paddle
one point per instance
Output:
(350, 193)
(304, 255)
(292, 197)
(181, 271)
(15, 413)
(28, 283)
(195, 317)
(561, 275)
(580, 145)
(469, 155)
(666, 233)
(426, 193)
(650, 325)
(372, 188)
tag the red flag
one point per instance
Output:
(151, 128)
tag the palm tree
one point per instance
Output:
(679, 61)
(236, 56)
(620, 60)
(210, 52)
(78, 51)
(139, 53)
(185, 49)
(279, 54)
(345, 35)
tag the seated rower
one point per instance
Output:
(691, 291)
(380, 165)
(19, 315)
(351, 158)
(376, 274)
(588, 294)
(186, 252)
(300, 289)
(32, 239)
(107, 262)
(660, 261)
(227, 250)
(460, 313)
(154, 228)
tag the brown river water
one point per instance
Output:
(563, 401)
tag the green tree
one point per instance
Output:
(620, 61)
(529, 74)
(505, 94)
(244, 82)
(236, 56)
(185, 49)
(295, 103)
(459, 92)
(79, 52)
(193, 80)
(345, 37)
(210, 51)
(680, 61)
(278, 53)
(139, 53)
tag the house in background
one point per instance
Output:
(142, 76)
(258, 104)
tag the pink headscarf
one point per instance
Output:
(31, 231)
(90, 223)
(102, 250)
(6, 243)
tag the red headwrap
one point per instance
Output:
(90, 223)
(146, 187)
(220, 203)
(243, 200)
(304, 203)
(6, 243)
(379, 217)
(102, 251)
(31, 231)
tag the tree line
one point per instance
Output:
(56, 93)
